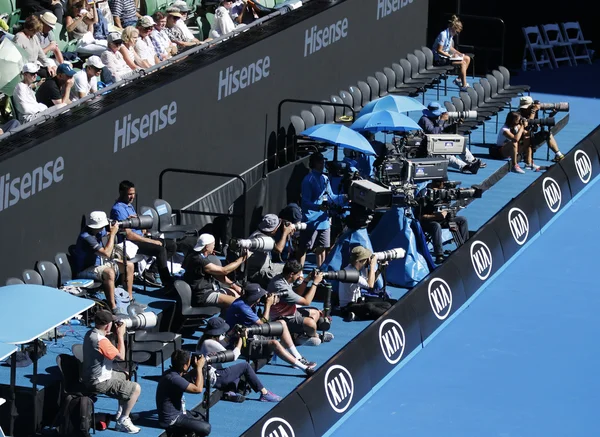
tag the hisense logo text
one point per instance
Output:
(315, 39)
(231, 81)
(387, 7)
(130, 130)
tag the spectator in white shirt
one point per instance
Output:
(181, 24)
(160, 36)
(27, 40)
(175, 34)
(26, 104)
(47, 38)
(223, 22)
(86, 80)
(144, 46)
(130, 36)
(113, 59)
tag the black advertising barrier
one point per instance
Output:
(479, 258)
(594, 137)
(552, 193)
(581, 165)
(289, 418)
(437, 297)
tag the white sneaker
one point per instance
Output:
(119, 412)
(126, 426)
(327, 337)
(313, 341)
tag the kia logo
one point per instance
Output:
(481, 257)
(391, 340)
(440, 297)
(277, 427)
(339, 387)
(552, 194)
(519, 225)
(583, 164)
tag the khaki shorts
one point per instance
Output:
(117, 387)
(95, 272)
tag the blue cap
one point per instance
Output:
(216, 326)
(434, 109)
(253, 292)
(65, 69)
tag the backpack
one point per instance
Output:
(75, 417)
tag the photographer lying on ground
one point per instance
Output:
(242, 312)
(528, 108)
(172, 385)
(353, 304)
(299, 320)
(204, 276)
(215, 340)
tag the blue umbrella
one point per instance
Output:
(341, 136)
(385, 121)
(392, 103)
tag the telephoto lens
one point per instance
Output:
(559, 107)
(391, 254)
(141, 222)
(348, 276)
(257, 244)
(549, 121)
(300, 226)
(273, 329)
(146, 320)
(220, 357)
(465, 115)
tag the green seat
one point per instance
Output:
(205, 22)
(7, 6)
(62, 39)
(151, 6)
(267, 3)
(278, 2)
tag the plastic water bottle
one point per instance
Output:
(524, 67)
(183, 405)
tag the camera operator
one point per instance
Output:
(122, 210)
(204, 276)
(170, 401)
(93, 259)
(353, 304)
(512, 141)
(214, 340)
(433, 220)
(435, 121)
(299, 320)
(242, 312)
(316, 195)
(261, 268)
(97, 373)
(528, 108)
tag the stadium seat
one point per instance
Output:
(534, 46)
(14, 281)
(347, 99)
(64, 268)
(357, 98)
(329, 112)
(419, 83)
(318, 113)
(308, 118)
(49, 273)
(374, 86)
(518, 88)
(32, 277)
(383, 83)
(165, 223)
(297, 124)
(399, 86)
(560, 50)
(365, 92)
(572, 32)
(189, 316)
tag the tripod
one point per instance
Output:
(455, 231)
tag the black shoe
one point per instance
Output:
(472, 167)
(309, 364)
(150, 279)
(439, 259)
(350, 317)
(309, 371)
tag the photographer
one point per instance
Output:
(93, 259)
(261, 268)
(316, 195)
(97, 373)
(170, 401)
(433, 220)
(435, 121)
(204, 276)
(512, 141)
(242, 312)
(353, 304)
(528, 108)
(299, 320)
(215, 340)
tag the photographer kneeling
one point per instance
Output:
(170, 402)
(242, 312)
(226, 379)
(204, 276)
(353, 304)
(529, 108)
(299, 320)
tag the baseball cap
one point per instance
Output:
(30, 67)
(97, 220)
(203, 241)
(360, 253)
(114, 37)
(49, 19)
(65, 69)
(435, 109)
(103, 317)
(253, 292)
(94, 61)
(146, 21)
(525, 102)
(174, 12)
(269, 223)
(181, 5)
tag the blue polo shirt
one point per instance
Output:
(315, 187)
(84, 254)
(122, 211)
(240, 313)
(445, 40)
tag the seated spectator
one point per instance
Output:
(181, 24)
(27, 106)
(223, 23)
(27, 40)
(243, 312)
(86, 80)
(512, 141)
(57, 90)
(93, 259)
(444, 52)
(144, 47)
(435, 121)
(204, 276)
(226, 379)
(170, 403)
(124, 12)
(105, 21)
(302, 321)
(8, 126)
(353, 304)
(529, 110)
(130, 37)
(175, 34)
(46, 36)
(38, 7)
(113, 59)
(80, 21)
(97, 368)
(164, 47)
(261, 268)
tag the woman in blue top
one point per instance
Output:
(445, 53)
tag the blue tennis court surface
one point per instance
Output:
(521, 360)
